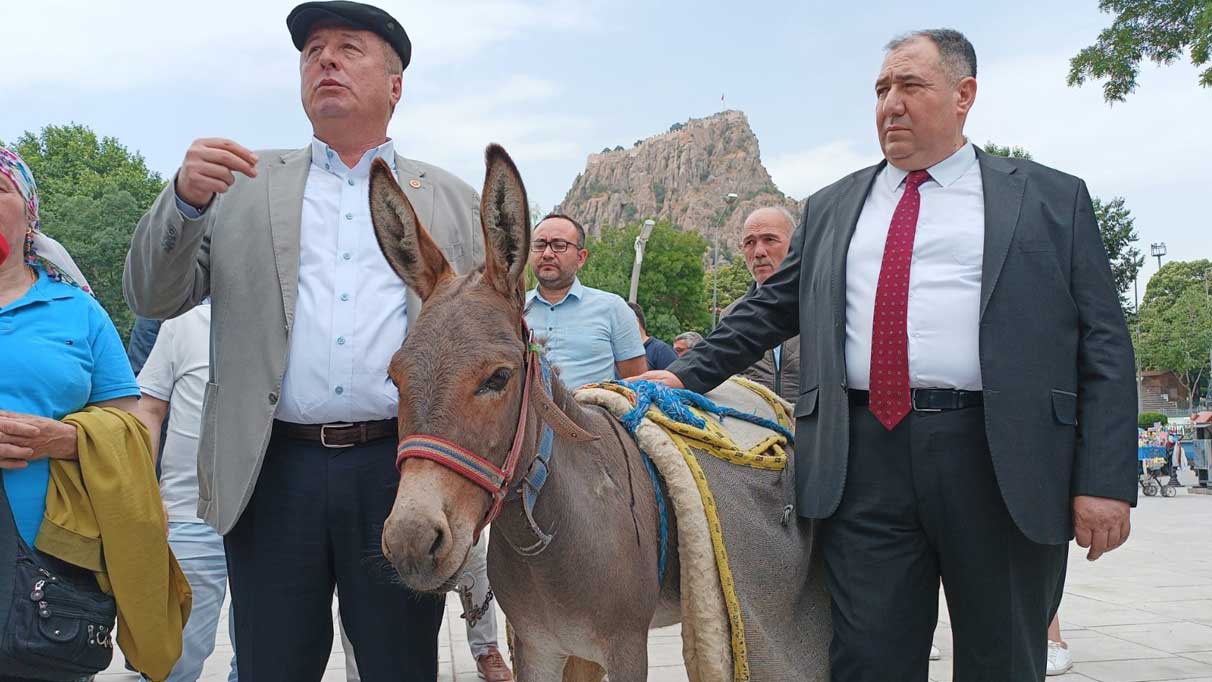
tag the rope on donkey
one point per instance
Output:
(675, 403)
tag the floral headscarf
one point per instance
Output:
(40, 250)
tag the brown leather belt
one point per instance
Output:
(339, 434)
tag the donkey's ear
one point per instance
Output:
(505, 217)
(408, 248)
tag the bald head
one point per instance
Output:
(765, 240)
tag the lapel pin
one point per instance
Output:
(414, 183)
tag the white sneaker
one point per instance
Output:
(935, 654)
(1059, 659)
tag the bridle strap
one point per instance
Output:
(475, 469)
(482, 472)
(551, 414)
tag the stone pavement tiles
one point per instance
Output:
(1140, 614)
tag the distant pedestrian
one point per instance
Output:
(659, 353)
(685, 341)
(590, 334)
(177, 370)
(765, 241)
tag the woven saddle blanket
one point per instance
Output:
(754, 602)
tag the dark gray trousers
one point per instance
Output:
(921, 504)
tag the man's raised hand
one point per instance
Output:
(209, 168)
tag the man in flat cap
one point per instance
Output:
(296, 463)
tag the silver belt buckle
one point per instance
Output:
(913, 400)
(324, 435)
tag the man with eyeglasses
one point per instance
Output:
(590, 335)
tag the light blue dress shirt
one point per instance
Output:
(351, 314)
(585, 334)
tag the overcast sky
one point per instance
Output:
(555, 81)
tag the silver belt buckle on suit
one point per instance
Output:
(913, 400)
(324, 434)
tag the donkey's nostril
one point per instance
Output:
(438, 537)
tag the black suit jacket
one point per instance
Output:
(1055, 355)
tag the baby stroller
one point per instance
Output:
(1153, 465)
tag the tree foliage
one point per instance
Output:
(92, 191)
(671, 280)
(1012, 152)
(734, 282)
(1159, 30)
(1115, 225)
(1176, 325)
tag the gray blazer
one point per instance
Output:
(244, 253)
(1055, 355)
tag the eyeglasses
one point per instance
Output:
(557, 245)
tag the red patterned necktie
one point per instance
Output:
(890, 397)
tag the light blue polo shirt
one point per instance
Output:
(586, 333)
(58, 352)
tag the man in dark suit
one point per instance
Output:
(964, 359)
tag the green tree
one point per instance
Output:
(1115, 226)
(671, 290)
(96, 232)
(93, 191)
(1176, 335)
(734, 282)
(1160, 30)
(1012, 152)
(1173, 279)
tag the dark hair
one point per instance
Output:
(639, 313)
(561, 216)
(955, 52)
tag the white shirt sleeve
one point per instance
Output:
(159, 373)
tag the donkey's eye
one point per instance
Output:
(495, 383)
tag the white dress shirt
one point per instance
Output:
(944, 278)
(351, 314)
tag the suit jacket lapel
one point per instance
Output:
(848, 212)
(1003, 190)
(284, 186)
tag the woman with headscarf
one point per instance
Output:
(59, 353)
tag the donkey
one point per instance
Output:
(578, 577)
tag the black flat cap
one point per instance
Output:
(357, 15)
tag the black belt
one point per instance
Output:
(930, 399)
(339, 434)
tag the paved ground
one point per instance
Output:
(1140, 614)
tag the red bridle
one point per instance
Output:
(479, 470)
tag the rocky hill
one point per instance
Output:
(682, 175)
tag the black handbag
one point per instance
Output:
(52, 627)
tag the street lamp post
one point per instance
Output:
(729, 200)
(1158, 250)
(641, 241)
